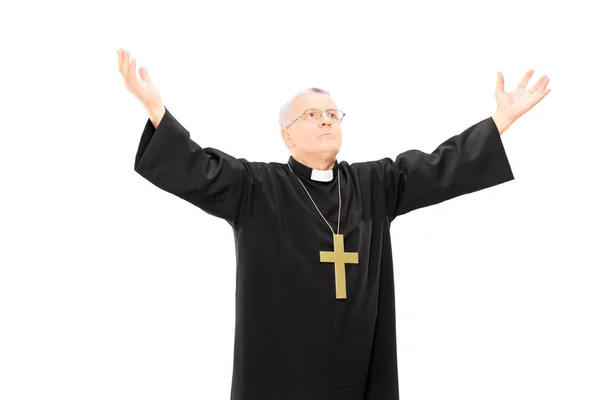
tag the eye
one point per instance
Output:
(310, 114)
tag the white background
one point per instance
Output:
(113, 289)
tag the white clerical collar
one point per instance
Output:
(323, 176)
(314, 174)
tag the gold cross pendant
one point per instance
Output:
(340, 259)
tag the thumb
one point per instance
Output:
(144, 74)
(500, 83)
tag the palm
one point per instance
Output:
(522, 99)
(143, 89)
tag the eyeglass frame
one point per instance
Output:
(328, 109)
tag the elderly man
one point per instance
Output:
(315, 317)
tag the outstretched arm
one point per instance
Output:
(465, 163)
(216, 182)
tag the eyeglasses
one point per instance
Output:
(313, 114)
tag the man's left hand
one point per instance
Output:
(512, 105)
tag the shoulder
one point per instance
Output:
(258, 170)
(369, 169)
(263, 171)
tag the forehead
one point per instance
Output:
(320, 101)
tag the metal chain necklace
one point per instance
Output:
(311, 199)
(337, 256)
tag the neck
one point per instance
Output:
(319, 162)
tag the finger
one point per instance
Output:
(133, 74)
(525, 79)
(537, 85)
(545, 92)
(130, 82)
(125, 65)
(541, 96)
(500, 82)
(544, 84)
(540, 89)
(119, 59)
(144, 74)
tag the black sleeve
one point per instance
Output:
(212, 180)
(471, 161)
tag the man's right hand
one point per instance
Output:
(143, 89)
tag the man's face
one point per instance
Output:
(313, 136)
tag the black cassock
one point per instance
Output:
(294, 340)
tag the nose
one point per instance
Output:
(325, 120)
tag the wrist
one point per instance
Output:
(502, 121)
(155, 114)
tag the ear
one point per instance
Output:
(287, 139)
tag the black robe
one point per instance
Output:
(293, 339)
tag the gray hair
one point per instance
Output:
(285, 115)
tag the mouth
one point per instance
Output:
(326, 134)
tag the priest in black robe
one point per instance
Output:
(315, 307)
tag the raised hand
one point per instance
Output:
(143, 89)
(513, 105)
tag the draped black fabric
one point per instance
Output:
(293, 339)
